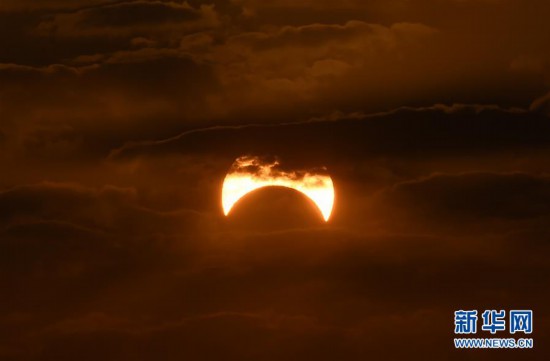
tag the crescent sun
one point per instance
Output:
(249, 173)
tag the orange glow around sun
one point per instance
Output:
(250, 173)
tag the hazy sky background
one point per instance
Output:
(119, 120)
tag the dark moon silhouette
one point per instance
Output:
(273, 208)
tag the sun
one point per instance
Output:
(249, 173)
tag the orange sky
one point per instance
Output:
(119, 121)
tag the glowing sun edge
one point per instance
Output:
(318, 188)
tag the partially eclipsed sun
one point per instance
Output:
(250, 173)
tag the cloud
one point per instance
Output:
(541, 105)
(404, 132)
(130, 18)
(16, 5)
(81, 101)
(107, 272)
(105, 210)
(318, 59)
(481, 195)
(284, 293)
(467, 203)
(174, 66)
